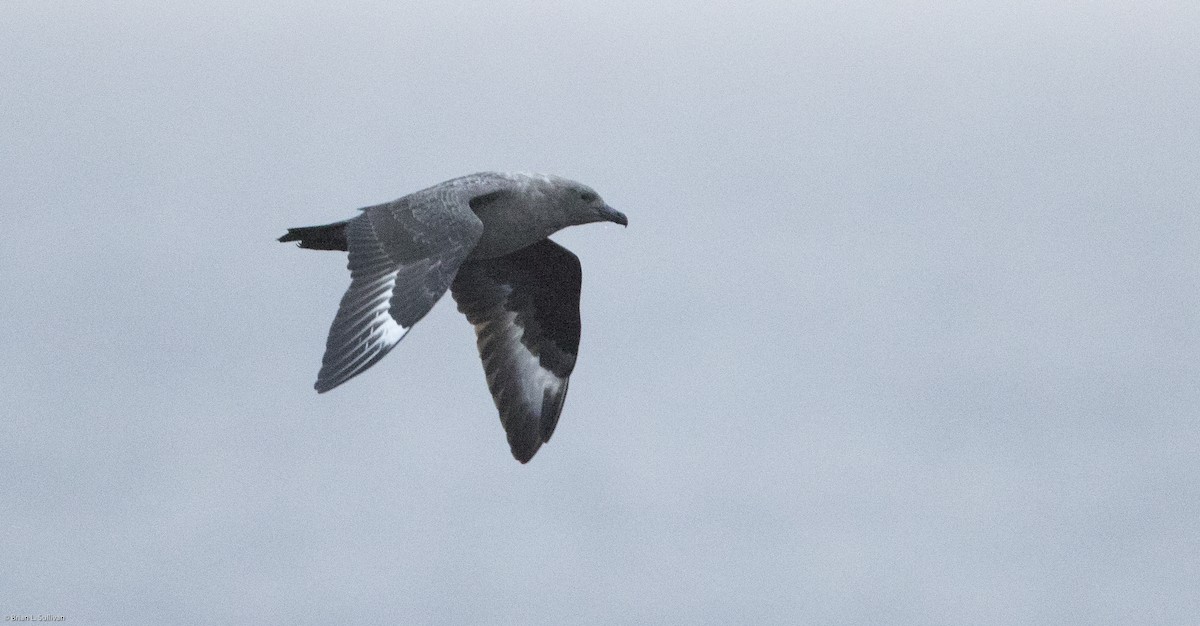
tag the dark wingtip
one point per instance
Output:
(523, 456)
(523, 452)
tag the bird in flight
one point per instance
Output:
(483, 237)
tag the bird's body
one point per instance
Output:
(484, 237)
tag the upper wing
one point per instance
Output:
(403, 256)
(525, 308)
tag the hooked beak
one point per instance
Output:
(610, 214)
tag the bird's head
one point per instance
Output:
(585, 206)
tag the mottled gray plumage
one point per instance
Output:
(485, 234)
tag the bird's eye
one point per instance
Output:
(587, 196)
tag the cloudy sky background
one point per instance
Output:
(904, 328)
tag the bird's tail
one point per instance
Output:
(327, 237)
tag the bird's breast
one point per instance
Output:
(499, 240)
(509, 226)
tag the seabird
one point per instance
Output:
(484, 237)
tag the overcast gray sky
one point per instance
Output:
(904, 328)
